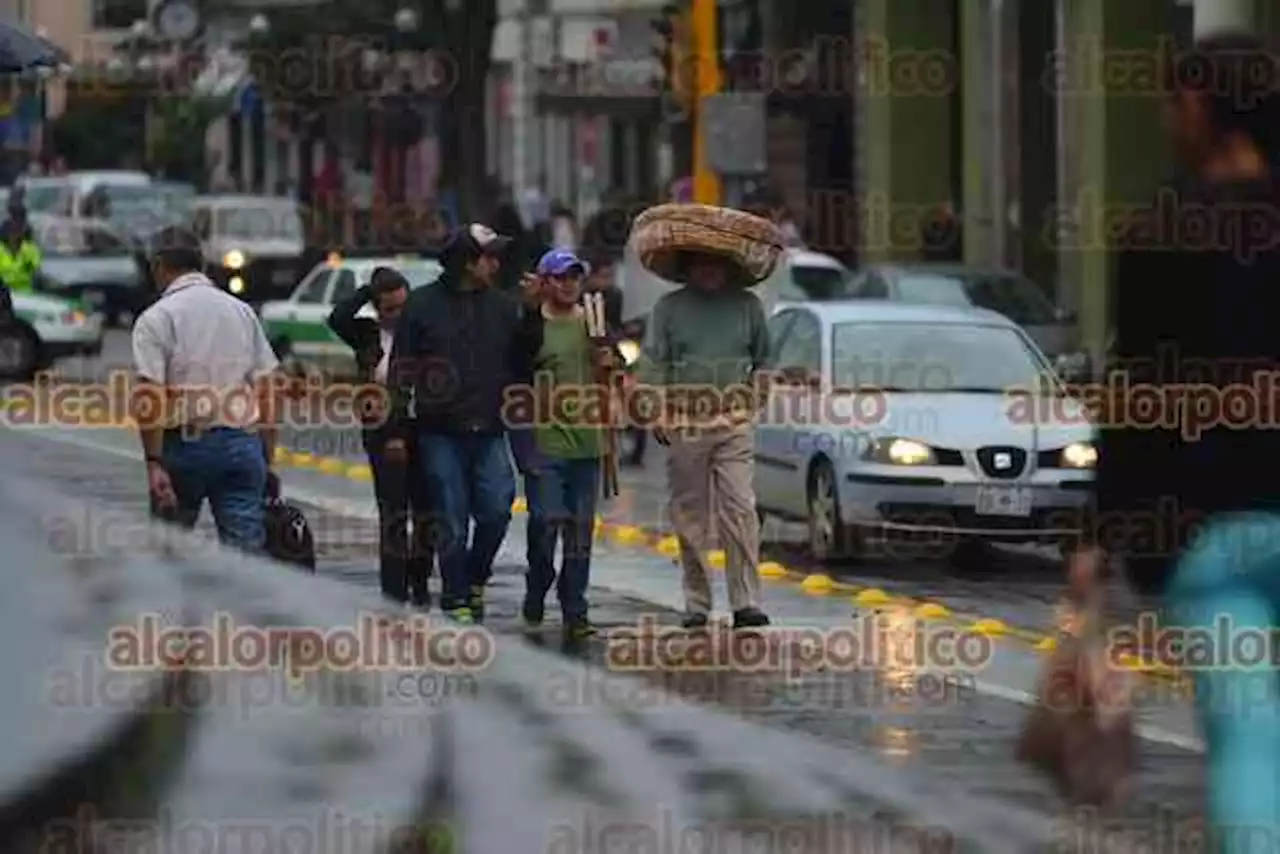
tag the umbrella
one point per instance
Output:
(641, 289)
(22, 50)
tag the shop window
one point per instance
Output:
(117, 14)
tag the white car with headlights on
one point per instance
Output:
(254, 244)
(916, 423)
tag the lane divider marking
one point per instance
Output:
(811, 583)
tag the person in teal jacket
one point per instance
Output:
(19, 255)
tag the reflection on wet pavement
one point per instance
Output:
(939, 723)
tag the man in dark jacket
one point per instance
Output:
(457, 349)
(405, 563)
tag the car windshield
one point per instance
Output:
(822, 283)
(934, 357)
(260, 222)
(43, 197)
(144, 207)
(1018, 299)
(67, 239)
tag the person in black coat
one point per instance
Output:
(1188, 458)
(405, 558)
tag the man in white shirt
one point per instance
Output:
(398, 484)
(205, 397)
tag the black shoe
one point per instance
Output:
(694, 621)
(532, 613)
(749, 618)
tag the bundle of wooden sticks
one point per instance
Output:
(598, 332)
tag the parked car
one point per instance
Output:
(49, 328)
(90, 262)
(298, 326)
(255, 244)
(936, 451)
(806, 275)
(1007, 292)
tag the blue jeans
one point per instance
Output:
(229, 468)
(562, 501)
(470, 478)
(1232, 572)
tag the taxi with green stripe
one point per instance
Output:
(298, 326)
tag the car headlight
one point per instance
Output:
(1080, 455)
(630, 351)
(73, 318)
(233, 260)
(901, 452)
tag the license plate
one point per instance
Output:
(1003, 501)
(96, 299)
(282, 277)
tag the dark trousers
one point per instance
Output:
(229, 469)
(405, 537)
(470, 479)
(562, 498)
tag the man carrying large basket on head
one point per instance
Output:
(701, 379)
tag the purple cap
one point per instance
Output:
(557, 262)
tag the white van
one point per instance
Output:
(68, 195)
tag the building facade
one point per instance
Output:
(1038, 121)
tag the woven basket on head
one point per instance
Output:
(661, 234)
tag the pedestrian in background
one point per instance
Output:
(566, 485)
(399, 486)
(204, 353)
(564, 227)
(710, 334)
(20, 255)
(455, 354)
(1208, 295)
(942, 237)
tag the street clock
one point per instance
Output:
(177, 20)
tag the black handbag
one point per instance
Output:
(289, 537)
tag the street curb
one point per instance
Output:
(811, 583)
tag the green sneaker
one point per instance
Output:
(476, 603)
(461, 615)
(578, 631)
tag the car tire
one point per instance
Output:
(828, 535)
(21, 353)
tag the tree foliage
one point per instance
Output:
(178, 128)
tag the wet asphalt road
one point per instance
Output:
(945, 728)
(1018, 586)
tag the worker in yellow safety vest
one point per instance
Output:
(19, 254)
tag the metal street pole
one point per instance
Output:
(522, 85)
(707, 188)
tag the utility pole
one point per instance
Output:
(706, 183)
(522, 101)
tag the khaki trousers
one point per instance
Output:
(710, 475)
